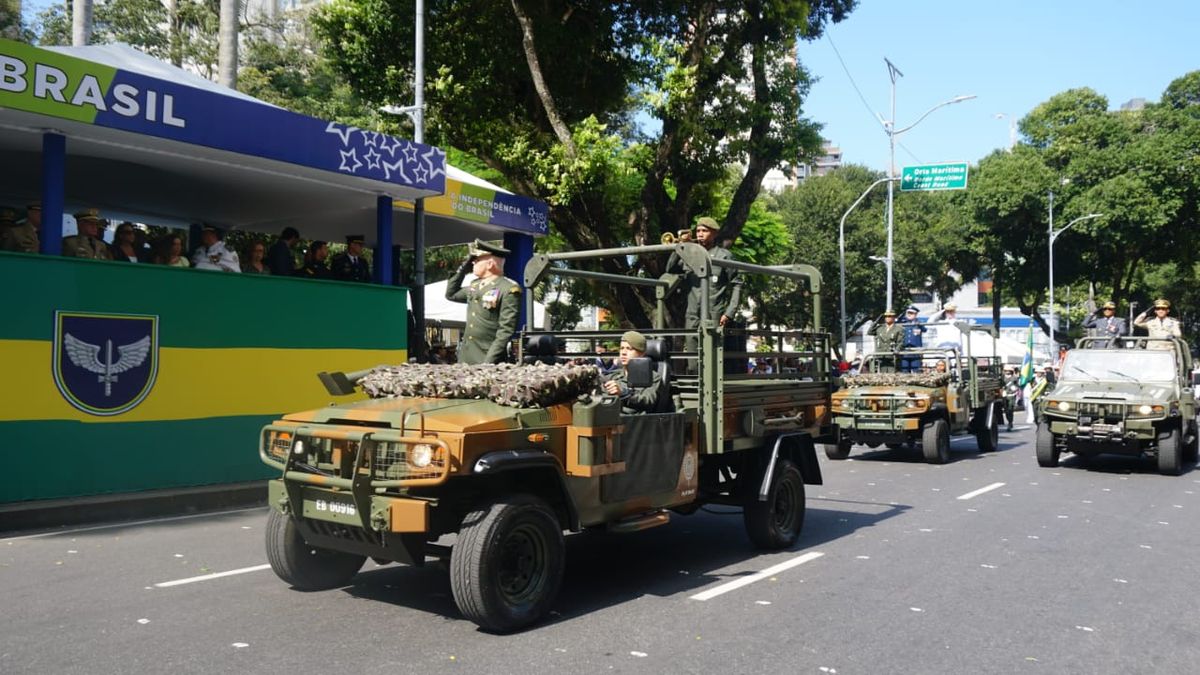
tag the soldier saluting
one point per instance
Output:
(493, 304)
(1106, 324)
(1161, 326)
(889, 335)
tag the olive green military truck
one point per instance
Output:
(949, 393)
(1133, 397)
(486, 467)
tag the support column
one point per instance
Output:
(54, 172)
(383, 241)
(521, 246)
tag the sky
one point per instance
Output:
(1012, 55)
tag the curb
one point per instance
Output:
(52, 513)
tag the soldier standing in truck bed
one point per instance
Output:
(889, 335)
(493, 304)
(725, 287)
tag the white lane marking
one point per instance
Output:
(757, 576)
(132, 523)
(976, 493)
(215, 575)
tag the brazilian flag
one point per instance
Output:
(1027, 363)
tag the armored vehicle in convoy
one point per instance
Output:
(947, 393)
(487, 466)
(1130, 396)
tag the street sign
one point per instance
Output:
(951, 176)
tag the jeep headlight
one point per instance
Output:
(420, 455)
(1063, 406)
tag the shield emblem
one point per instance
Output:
(105, 364)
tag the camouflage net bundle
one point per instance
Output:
(897, 380)
(533, 386)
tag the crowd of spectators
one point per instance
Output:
(131, 243)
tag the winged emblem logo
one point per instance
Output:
(105, 364)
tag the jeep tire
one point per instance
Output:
(935, 442)
(1047, 449)
(840, 449)
(1170, 453)
(988, 436)
(776, 522)
(507, 565)
(305, 567)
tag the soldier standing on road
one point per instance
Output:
(493, 304)
(1161, 326)
(725, 287)
(889, 336)
(1106, 324)
(351, 266)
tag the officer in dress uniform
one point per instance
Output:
(23, 237)
(1161, 326)
(913, 332)
(493, 304)
(87, 244)
(351, 266)
(1106, 324)
(889, 335)
(212, 254)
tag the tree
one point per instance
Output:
(546, 94)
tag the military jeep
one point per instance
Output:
(486, 466)
(880, 406)
(1131, 397)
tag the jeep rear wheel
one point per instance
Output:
(935, 442)
(308, 568)
(1047, 449)
(1170, 457)
(988, 437)
(507, 565)
(839, 450)
(776, 522)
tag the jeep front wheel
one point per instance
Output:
(935, 442)
(308, 568)
(840, 449)
(1170, 458)
(988, 438)
(507, 565)
(776, 522)
(1047, 448)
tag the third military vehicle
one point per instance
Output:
(946, 393)
(1131, 396)
(487, 466)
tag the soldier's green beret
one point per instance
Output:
(481, 247)
(708, 223)
(634, 339)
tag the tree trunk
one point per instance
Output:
(539, 82)
(227, 55)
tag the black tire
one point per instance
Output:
(305, 567)
(935, 442)
(776, 522)
(839, 450)
(1047, 449)
(1191, 448)
(988, 438)
(1170, 453)
(894, 446)
(507, 565)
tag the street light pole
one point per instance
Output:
(889, 127)
(1054, 235)
(842, 251)
(1012, 129)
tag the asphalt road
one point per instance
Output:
(988, 564)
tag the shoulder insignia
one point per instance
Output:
(515, 290)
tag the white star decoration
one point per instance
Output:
(430, 157)
(351, 155)
(421, 174)
(398, 167)
(389, 144)
(372, 158)
(410, 152)
(343, 133)
(370, 137)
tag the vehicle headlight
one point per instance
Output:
(912, 403)
(1063, 406)
(421, 455)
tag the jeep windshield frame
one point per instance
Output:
(1107, 365)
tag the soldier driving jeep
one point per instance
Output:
(635, 395)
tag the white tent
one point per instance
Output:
(438, 308)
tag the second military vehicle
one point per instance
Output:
(948, 393)
(1130, 396)
(487, 466)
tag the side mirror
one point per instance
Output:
(639, 372)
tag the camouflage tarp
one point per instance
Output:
(897, 380)
(531, 386)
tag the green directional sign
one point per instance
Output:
(951, 176)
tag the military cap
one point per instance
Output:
(634, 339)
(912, 308)
(481, 247)
(89, 214)
(889, 312)
(351, 238)
(7, 215)
(1162, 304)
(708, 223)
(950, 307)
(35, 205)
(1109, 305)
